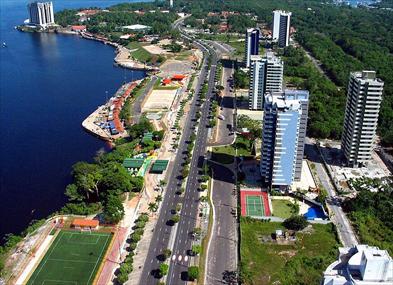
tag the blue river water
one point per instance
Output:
(48, 84)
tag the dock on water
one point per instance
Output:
(105, 122)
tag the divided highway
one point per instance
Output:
(187, 223)
(162, 232)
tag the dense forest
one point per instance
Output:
(343, 38)
(372, 214)
(112, 20)
(100, 185)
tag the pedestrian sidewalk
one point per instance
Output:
(141, 252)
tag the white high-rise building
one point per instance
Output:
(281, 27)
(41, 13)
(171, 3)
(252, 44)
(361, 116)
(283, 133)
(266, 74)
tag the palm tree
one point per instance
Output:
(158, 198)
(162, 183)
(152, 207)
(203, 199)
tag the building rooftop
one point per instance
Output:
(285, 13)
(362, 265)
(367, 76)
(250, 30)
(136, 27)
(85, 223)
(282, 101)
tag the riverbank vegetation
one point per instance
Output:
(109, 21)
(102, 185)
(10, 241)
(299, 262)
(342, 38)
(112, 24)
(371, 214)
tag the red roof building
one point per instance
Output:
(88, 12)
(85, 224)
(81, 28)
(178, 77)
(166, 81)
(224, 27)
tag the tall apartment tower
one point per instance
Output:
(171, 3)
(283, 135)
(281, 26)
(252, 44)
(266, 74)
(361, 116)
(41, 13)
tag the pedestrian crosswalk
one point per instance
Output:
(179, 258)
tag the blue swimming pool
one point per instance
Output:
(314, 212)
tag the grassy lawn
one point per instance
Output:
(223, 154)
(239, 46)
(243, 146)
(226, 154)
(299, 263)
(183, 55)
(73, 258)
(139, 53)
(282, 208)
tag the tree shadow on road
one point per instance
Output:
(223, 158)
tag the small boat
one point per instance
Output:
(4, 45)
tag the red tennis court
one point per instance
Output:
(254, 203)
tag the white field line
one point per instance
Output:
(99, 258)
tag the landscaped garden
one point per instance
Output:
(282, 208)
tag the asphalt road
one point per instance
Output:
(222, 255)
(162, 231)
(183, 241)
(225, 127)
(137, 106)
(339, 218)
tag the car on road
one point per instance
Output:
(221, 117)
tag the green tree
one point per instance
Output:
(185, 172)
(196, 249)
(175, 218)
(163, 269)
(86, 177)
(193, 272)
(73, 194)
(163, 183)
(166, 253)
(152, 207)
(158, 198)
(115, 177)
(113, 209)
(137, 183)
(296, 223)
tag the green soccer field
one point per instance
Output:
(254, 206)
(73, 258)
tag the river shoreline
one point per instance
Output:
(122, 53)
